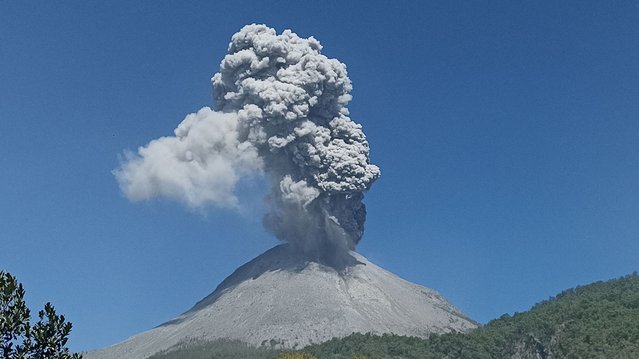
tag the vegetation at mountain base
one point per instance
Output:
(47, 338)
(228, 349)
(218, 349)
(296, 355)
(600, 320)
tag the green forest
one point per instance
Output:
(599, 320)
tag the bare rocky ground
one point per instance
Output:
(282, 299)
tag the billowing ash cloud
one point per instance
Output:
(280, 109)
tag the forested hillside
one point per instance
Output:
(600, 320)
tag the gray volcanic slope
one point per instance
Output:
(283, 299)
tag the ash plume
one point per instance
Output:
(280, 110)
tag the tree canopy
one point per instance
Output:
(600, 320)
(46, 339)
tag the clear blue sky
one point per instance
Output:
(507, 134)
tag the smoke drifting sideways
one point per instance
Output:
(280, 110)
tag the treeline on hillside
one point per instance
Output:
(600, 320)
(218, 349)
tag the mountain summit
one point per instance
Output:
(284, 299)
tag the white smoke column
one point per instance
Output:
(200, 165)
(281, 109)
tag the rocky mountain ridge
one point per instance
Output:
(283, 299)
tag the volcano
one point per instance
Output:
(285, 299)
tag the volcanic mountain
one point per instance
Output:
(284, 299)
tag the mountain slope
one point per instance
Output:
(282, 299)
